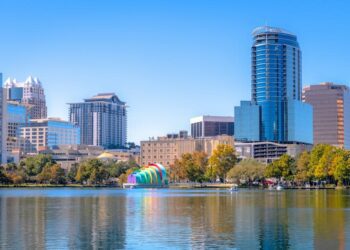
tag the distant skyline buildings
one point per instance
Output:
(276, 91)
(102, 120)
(29, 93)
(331, 113)
(208, 61)
(289, 113)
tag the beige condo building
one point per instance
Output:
(331, 113)
(165, 150)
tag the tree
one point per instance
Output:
(323, 170)
(52, 174)
(222, 160)
(35, 164)
(44, 176)
(115, 169)
(303, 167)
(178, 170)
(92, 171)
(287, 165)
(191, 166)
(72, 172)
(57, 175)
(248, 170)
(341, 167)
(196, 167)
(282, 167)
(273, 170)
(3, 177)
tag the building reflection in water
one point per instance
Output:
(86, 222)
(178, 219)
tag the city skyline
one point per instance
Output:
(158, 61)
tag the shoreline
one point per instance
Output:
(171, 186)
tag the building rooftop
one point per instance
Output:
(326, 85)
(30, 81)
(269, 29)
(210, 118)
(104, 97)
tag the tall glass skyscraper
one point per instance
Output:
(276, 78)
(277, 88)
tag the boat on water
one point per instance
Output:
(151, 176)
(233, 188)
(278, 187)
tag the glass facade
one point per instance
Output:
(276, 78)
(50, 133)
(16, 113)
(300, 122)
(62, 133)
(247, 122)
(15, 94)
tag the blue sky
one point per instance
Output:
(169, 60)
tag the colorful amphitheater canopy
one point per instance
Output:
(153, 174)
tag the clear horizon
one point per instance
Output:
(170, 60)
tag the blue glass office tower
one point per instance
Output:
(276, 78)
(277, 88)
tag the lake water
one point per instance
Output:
(173, 219)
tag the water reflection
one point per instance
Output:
(175, 219)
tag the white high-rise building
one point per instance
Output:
(102, 120)
(29, 93)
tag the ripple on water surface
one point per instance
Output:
(58, 218)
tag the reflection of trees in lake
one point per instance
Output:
(329, 219)
(100, 223)
(273, 223)
(58, 223)
(182, 219)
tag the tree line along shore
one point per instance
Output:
(323, 166)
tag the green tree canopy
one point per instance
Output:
(248, 170)
(35, 164)
(282, 167)
(92, 171)
(190, 166)
(303, 173)
(221, 161)
(52, 174)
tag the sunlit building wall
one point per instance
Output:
(331, 113)
(50, 133)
